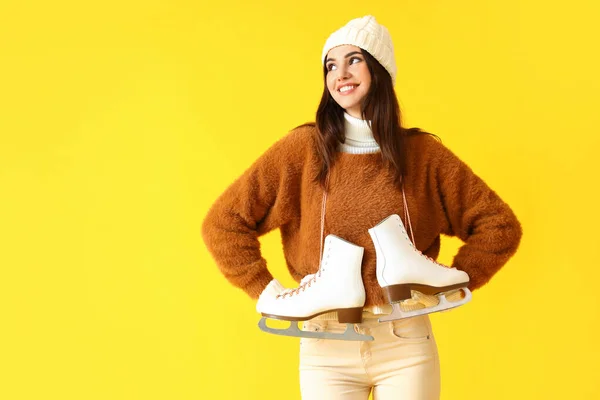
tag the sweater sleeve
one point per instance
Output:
(261, 199)
(477, 215)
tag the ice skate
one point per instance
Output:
(336, 287)
(409, 278)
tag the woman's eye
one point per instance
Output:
(353, 60)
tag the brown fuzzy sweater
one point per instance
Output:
(443, 194)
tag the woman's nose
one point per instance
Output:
(343, 73)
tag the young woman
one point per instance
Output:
(370, 167)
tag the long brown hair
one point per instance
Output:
(380, 107)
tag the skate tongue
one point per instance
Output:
(306, 278)
(272, 289)
(269, 293)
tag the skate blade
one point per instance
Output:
(293, 330)
(443, 304)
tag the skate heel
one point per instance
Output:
(396, 293)
(350, 315)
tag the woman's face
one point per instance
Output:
(348, 77)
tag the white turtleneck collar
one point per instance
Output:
(359, 136)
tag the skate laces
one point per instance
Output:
(305, 282)
(323, 208)
(412, 243)
(308, 280)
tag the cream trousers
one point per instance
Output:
(401, 363)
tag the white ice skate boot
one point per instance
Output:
(337, 286)
(401, 268)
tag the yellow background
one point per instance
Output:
(121, 122)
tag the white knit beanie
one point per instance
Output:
(367, 34)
